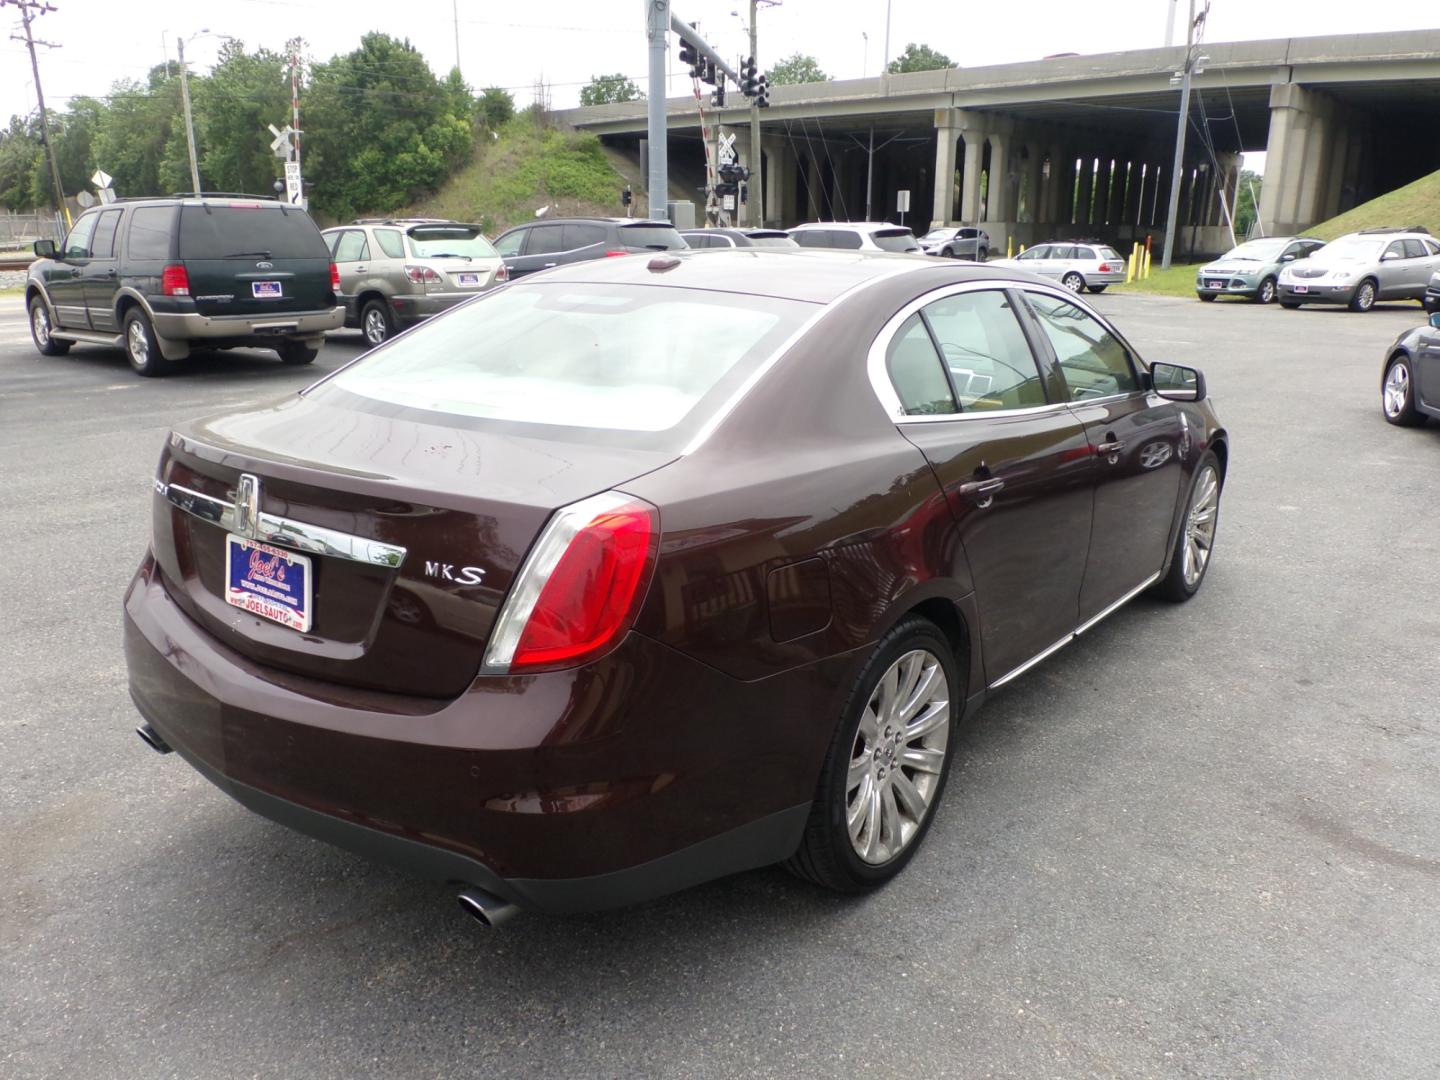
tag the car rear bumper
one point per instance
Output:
(644, 773)
(1114, 278)
(415, 308)
(184, 326)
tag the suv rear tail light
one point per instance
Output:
(334, 277)
(503, 274)
(422, 275)
(174, 281)
(579, 589)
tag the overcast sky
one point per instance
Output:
(566, 41)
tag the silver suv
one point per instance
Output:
(962, 242)
(1362, 267)
(1076, 264)
(394, 272)
(855, 236)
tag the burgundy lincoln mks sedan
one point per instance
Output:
(649, 570)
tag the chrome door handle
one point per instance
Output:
(982, 488)
(547, 266)
(361, 269)
(1110, 447)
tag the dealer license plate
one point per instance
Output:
(266, 290)
(1302, 288)
(1215, 284)
(268, 581)
(468, 279)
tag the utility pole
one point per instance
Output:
(29, 9)
(755, 186)
(189, 121)
(455, 14)
(657, 30)
(1173, 212)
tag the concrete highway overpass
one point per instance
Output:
(1083, 145)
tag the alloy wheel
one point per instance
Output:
(376, 330)
(1365, 296)
(1074, 282)
(138, 344)
(1200, 525)
(40, 325)
(898, 757)
(1397, 390)
(1267, 291)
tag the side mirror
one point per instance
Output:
(1435, 320)
(45, 249)
(1387, 257)
(1174, 382)
(1287, 258)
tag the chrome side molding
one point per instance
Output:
(273, 529)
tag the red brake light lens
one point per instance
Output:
(615, 254)
(580, 588)
(174, 281)
(334, 277)
(1104, 268)
(422, 275)
(503, 274)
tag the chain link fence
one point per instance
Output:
(22, 230)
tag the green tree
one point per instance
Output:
(1245, 202)
(140, 136)
(21, 156)
(233, 106)
(919, 58)
(494, 107)
(798, 68)
(608, 89)
(380, 128)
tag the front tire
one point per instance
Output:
(1191, 557)
(1074, 282)
(886, 766)
(376, 323)
(1265, 294)
(296, 353)
(947, 253)
(1397, 394)
(1208, 298)
(1290, 305)
(1364, 298)
(141, 348)
(40, 330)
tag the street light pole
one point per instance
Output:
(657, 29)
(1173, 211)
(189, 120)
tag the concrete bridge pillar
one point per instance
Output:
(970, 175)
(1101, 208)
(948, 126)
(1292, 114)
(1034, 181)
(1134, 193)
(1087, 189)
(997, 192)
(1060, 175)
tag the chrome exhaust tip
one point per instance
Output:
(153, 740)
(485, 908)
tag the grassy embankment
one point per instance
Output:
(527, 167)
(1416, 203)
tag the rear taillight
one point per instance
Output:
(503, 274)
(334, 277)
(422, 275)
(1104, 268)
(174, 281)
(615, 254)
(580, 587)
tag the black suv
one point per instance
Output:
(543, 244)
(157, 276)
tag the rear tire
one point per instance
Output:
(1397, 393)
(376, 323)
(296, 353)
(1265, 294)
(886, 766)
(1364, 298)
(1290, 305)
(1190, 560)
(141, 348)
(40, 327)
(1098, 288)
(1074, 282)
(981, 255)
(1208, 298)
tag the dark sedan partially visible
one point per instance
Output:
(1410, 376)
(564, 599)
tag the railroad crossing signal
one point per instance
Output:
(281, 144)
(727, 148)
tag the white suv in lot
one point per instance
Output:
(856, 236)
(1362, 267)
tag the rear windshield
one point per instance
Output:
(1111, 254)
(778, 239)
(894, 240)
(654, 237)
(259, 230)
(617, 359)
(457, 241)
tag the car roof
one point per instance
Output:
(806, 274)
(858, 226)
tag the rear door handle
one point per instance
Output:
(1113, 447)
(547, 266)
(982, 488)
(361, 269)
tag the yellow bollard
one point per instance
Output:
(1009, 247)
(1130, 267)
(1022, 250)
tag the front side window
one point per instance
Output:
(623, 362)
(1395, 251)
(352, 247)
(509, 244)
(1039, 251)
(1094, 361)
(916, 371)
(77, 244)
(150, 232)
(985, 351)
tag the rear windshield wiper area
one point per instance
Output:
(247, 255)
(447, 255)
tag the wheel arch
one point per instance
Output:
(955, 615)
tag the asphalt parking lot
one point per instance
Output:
(1202, 841)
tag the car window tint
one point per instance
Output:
(651, 237)
(1414, 249)
(1094, 361)
(893, 240)
(1061, 251)
(1084, 253)
(985, 350)
(848, 241)
(352, 247)
(1431, 247)
(582, 234)
(236, 229)
(509, 244)
(77, 244)
(102, 245)
(545, 240)
(916, 371)
(150, 232)
(391, 243)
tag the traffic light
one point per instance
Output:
(690, 55)
(730, 177)
(626, 197)
(762, 92)
(749, 77)
(718, 97)
(708, 76)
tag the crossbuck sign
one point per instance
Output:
(727, 149)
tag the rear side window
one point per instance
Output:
(249, 231)
(895, 240)
(102, 246)
(916, 372)
(1094, 361)
(654, 237)
(1413, 249)
(568, 355)
(391, 243)
(545, 240)
(985, 351)
(581, 235)
(150, 232)
(1085, 254)
(352, 247)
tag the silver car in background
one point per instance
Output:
(395, 272)
(855, 236)
(1076, 264)
(957, 242)
(1252, 269)
(1362, 268)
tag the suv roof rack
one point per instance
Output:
(219, 195)
(404, 221)
(1395, 229)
